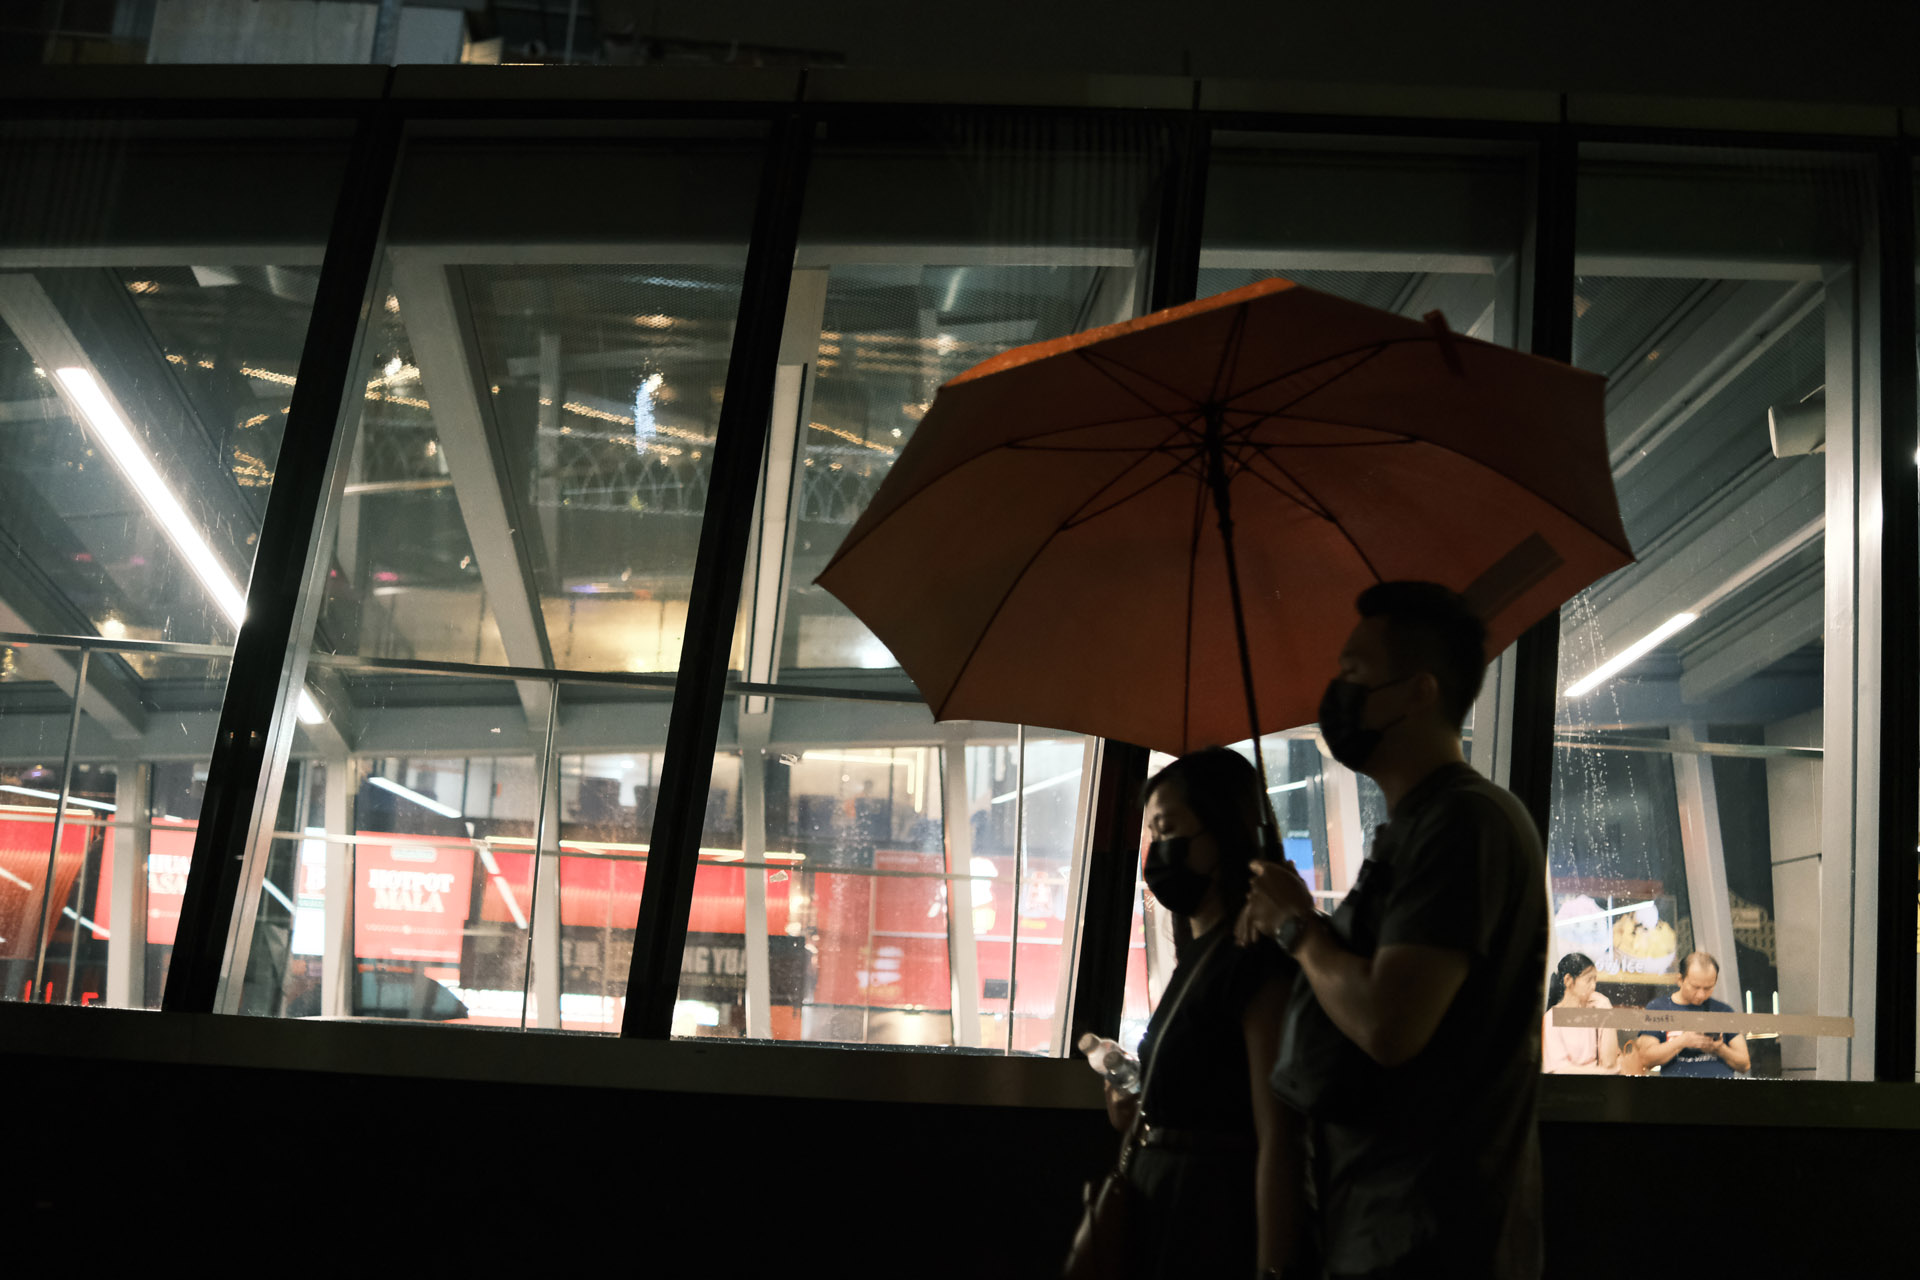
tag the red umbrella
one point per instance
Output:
(1155, 531)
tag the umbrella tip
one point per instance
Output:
(1443, 337)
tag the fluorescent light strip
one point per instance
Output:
(506, 890)
(1630, 655)
(145, 479)
(280, 896)
(71, 914)
(1041, 785)
(1287, 786)
(55, 795)
(407, 793)
(1602, 915)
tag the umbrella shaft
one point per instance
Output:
(1221, 485)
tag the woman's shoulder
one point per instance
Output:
(1250, 968)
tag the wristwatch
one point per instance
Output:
(1291, 931)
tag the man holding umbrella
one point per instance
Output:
(1412, 1037)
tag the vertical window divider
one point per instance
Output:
(256, 727)
(1100, 968)
(1895, 1049)
(1548, 254)
(660, 933)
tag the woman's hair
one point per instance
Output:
(1227, 794)
(1571, 966)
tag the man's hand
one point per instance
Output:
(1277, 894)
(1122, 1107)
(1695, 1040)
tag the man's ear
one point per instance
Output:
(1426, 691)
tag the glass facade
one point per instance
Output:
(500, 597)
(148, 352)
(1695, 807)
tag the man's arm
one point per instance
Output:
(1655, 1052)
(1389, 1003)
(1733, 1052)
(1280, 1173)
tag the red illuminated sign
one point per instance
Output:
(169, 854)
(23, 871)
(410, 898)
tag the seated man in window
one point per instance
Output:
(1694, 1053)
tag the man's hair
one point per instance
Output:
(1432, 629)
(1699, 957)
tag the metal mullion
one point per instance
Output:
(43, 930)
(1899, 692)
(1113, 836)
(256, 721)
(1549, 258)
(726, 527)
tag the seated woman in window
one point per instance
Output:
(1218, 1177)
(1577, 1050)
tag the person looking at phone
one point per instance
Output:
(1695, 1053)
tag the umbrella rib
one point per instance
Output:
(1229, 354)
(1304, 500)
(1371, 350)
(1314, 505)
(1087, 517)
(1100, 361)
(1066, 523)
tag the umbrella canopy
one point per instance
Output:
(1054, 544)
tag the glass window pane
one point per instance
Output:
(148, 353)
(523, 486)
(828, 835)
(996, 232)
(1693, 805)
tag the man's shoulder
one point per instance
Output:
(1664, 1003)
(1465, 799)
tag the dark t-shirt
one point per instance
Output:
(1692, 1062)
(1444, 1168)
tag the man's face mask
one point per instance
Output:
(1174, 885)
(1343, 712)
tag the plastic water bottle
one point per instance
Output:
(1121, 1068)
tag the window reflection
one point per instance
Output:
(1692, 806)
(148, 353)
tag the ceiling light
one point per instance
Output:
(1287, 786)
(407, 793)
(1630, 655)
(309, 711)
(145, 480)
(101, 805)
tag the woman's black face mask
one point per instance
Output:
(1175, 885)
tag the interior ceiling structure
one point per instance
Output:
(593, 392)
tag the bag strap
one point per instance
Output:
(1135, 1130)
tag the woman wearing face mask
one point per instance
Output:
(1218, 1177)
(1577, 1050)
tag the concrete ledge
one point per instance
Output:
(825, 1072)
(594, 84)
(1308, 98)
(1634, 111)
(944, 88)
(545, 1058)
(174, 84)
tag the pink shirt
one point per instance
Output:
(1563, 1047)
